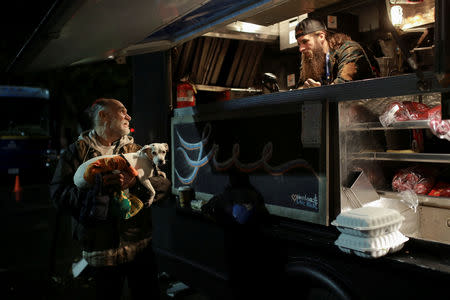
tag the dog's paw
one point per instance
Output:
(150, 201)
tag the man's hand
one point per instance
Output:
(124, 180)
(309, 83)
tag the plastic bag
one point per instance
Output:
(410, 198)
(439, 127)
(394, 113)
(404, 111)
(417, 179)
(416, 110)
(441, 189)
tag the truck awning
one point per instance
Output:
(74, 32)
(83, 31)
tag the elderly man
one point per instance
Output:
(329, 58)
(114, 247)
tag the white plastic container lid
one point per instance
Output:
(368, 218)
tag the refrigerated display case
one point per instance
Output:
(394, 142)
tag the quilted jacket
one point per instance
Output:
(112, 241)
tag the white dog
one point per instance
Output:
(143, 161)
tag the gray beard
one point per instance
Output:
(312, 65)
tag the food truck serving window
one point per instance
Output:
(230, 62)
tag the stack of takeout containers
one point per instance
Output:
(370, 231)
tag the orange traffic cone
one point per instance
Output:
(17, 189)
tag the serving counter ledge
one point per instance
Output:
(355, 90)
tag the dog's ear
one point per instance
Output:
(147, 149)
(166, 146)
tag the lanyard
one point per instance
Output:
(327, 68)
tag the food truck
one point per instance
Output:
(217, 80)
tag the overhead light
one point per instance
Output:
(246, 27)
(396, 15)
(249, 27)
(111, 56)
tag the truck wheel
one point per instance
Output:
(314, 280)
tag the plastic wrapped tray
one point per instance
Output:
(371, 247)
(368, 221)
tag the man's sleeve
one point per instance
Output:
(161, 185)
(63, 192)
(352, 64)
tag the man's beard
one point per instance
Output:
(313, 65)
(115, 125)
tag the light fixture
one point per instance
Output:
(249, 27)
(396, 15)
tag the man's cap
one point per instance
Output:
(307, 26)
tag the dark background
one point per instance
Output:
(72, 89)
(37, 248)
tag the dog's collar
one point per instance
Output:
(121, 155)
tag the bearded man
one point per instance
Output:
(329, 58)
(114, 247)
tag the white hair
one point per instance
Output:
(94, 113)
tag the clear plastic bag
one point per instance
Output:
(416, 110)
(441, 189)
(404, 111)
(394, 113)
(410, 198)
(416, 179)
(439, 127)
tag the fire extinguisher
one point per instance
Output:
(186, 94)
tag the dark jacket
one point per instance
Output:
(112, 233)
(349, 62)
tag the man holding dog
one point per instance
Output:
(115, 248)
(329, 58)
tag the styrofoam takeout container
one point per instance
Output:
(371, 247)
(368, 221)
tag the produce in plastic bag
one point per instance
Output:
(404, 111)
(416, 110)
(441, 189)
(417, 179)
(394, 113)
(439, 127)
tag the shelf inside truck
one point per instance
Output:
(425, 200)
(414, 157)
(420, 124)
